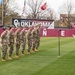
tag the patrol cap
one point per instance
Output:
(18, 26)
(4, 28)
(11, 26)
(39, 25)
(24, 26)
(30, 26)
(35, 25)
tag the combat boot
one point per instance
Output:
(23, 53)
(3, 59)
(33, 50)
(28, 52)
(36, 50)
(17, 56)
(10, 57)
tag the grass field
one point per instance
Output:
(46, 61)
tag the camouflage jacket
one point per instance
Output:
(17, 36)
(34, 34)
(38, 33)
(11, 36)
(4, 38)
(23, 35)
(29, 35)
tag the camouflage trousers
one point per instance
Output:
(23, 46)
(29, 44)
(11, 48)
(34, 44)
(4, 51)
(17, 48)
(37, 43)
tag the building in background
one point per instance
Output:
(65, 19)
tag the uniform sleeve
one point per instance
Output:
(2, 35)
(21, 34)
(15, 33)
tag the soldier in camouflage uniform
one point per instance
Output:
(38, 37)
(23, 39)
(4, 43)
(17, 41)
(34, 37)
(11, 41)
(29, 38)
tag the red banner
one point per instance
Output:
(54, 32)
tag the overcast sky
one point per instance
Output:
(54, 4)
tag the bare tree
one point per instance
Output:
(67, 8)
(34, 8)
(8, 11)
(0, 11)
(0, 14)
(34, 11)
(51, 15)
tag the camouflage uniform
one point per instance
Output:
(23, 39)
(29, 38)
(34, 37)
(17, 37)
(4, 43)
(11, 42)
(38, 38)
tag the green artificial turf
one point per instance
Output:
(46, 61)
